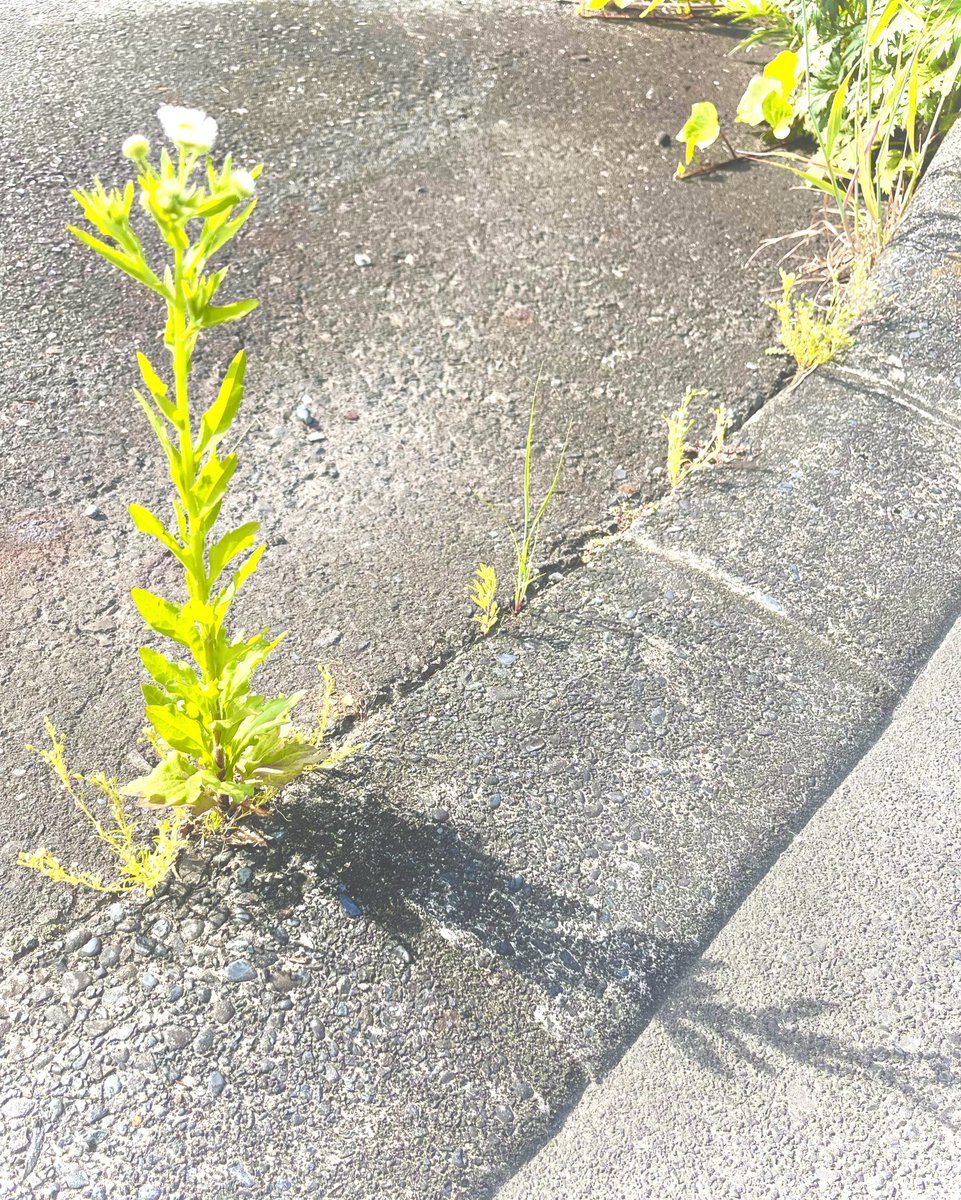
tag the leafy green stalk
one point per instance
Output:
(220, 744)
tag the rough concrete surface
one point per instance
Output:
(814, 1049)
(401, 993)
(500, 170)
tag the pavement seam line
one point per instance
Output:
(769, 607)
(885, 390)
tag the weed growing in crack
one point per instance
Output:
(483, 595)
(815, 334)
(223, 749)
(525, 539)
(682, 458)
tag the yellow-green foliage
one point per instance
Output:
(317, 736)
(483, 588)
(682, 460)
(815, 334)
(140, 863)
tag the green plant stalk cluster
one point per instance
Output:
(220, 743)
(526, 539)
(682, 460)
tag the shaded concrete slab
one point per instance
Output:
(502, 174)
(813, 1049)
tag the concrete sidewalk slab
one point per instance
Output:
(814, 1049)
(502, 174)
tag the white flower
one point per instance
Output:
(188, 126)
(243, 183)
(135, 147)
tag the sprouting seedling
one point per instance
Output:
(525, 541)
(222, 747)
(681, 460)
(483, 592)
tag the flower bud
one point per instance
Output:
(243, 183)
(136, 147)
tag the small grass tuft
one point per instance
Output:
(483, 591)
(682, 458)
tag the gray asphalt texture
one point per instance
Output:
(813, 1050)
(404, 991)
(500, 170)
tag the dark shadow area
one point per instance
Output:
(726, 1038)
(400, 872)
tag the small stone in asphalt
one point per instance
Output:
(216, 1082)
(362, 260)
(148, 982)
(494, 800)
(74, 982)
(92, 947)
(112, 1086)
(241, 972)
(440, 815)
(350, 908)
(242, 1175)
(663, 140)
(75, 939)
(17, 1107)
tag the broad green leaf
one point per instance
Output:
(701, 130)
(164, 617)
(783, 69)
(230, 545)
(750, 109)
(172, 676)
(221, 314)
(219, 417)
(779, 114)
(179, 731)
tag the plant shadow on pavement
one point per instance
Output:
(726, 1038)
(405, 872)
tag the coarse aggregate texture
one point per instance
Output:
(501, 172)
(813, 1050)
(405, 988)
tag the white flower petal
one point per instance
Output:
(189, 127)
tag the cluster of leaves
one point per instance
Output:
(872, 87)
(141, 863)
(219, 740)
(812, 333)
(483, 596)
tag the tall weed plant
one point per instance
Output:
(222, 748)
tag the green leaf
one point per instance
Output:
(164, 617)
(157, 388)
(152, 526)
(219, 417)
(701, 130)
(221, 314)
(130, 266)
(750, 109)
(230, 545)
(173, 677)
(179, 731)
(783, 69)
(779, 114)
